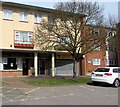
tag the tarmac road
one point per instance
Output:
(24, 94)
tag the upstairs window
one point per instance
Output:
(96, 47)
(111, 48)
(96, 32)
(7, 14)
(37, 18)
(64, 40)
(50, 20)
(111, 34)
(23, 16)
(22, 37)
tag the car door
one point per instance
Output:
(116, 72)
(119, 73)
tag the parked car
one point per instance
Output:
(110, 75)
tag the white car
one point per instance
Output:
(110, 75)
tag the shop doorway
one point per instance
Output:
(25, 66)
(41, 67)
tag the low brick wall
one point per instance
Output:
(10, 73)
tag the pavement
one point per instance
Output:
(15, 91)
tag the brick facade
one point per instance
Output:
(118, 43)
(11, 73)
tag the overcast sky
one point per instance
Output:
(110, 7)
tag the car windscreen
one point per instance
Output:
(102, 70)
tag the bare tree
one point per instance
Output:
(67, 30)
(111, 21)
(92, 9)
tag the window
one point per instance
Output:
(96, 32)
(96, 61)
(50, 20)
(10, 63)
(96, 47)
(112, 62)
(23, 37)
(38, 18)
(111, 34)
(64, 40)
(102, 70)
(7, 14)
(23, 16)
(116, 70)
(111, 48)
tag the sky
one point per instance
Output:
(110, 7)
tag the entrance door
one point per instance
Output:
(25, 66)
(41, 67)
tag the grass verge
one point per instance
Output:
(57, 82)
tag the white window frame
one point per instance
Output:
(96, 61)
(96, 47)
(23, 16)
(38, 18)
(8, 14)
(111, 34)
(66, 38)
(25, 38)
(96, 32)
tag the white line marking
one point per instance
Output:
(88, 87)
(7, 98)
(43, 97)
(32, 90)
(10, 90)
(71, 94)
(54, 96)
(27, 93)
(36, 98)
(23, 99)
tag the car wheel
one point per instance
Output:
(116, 83)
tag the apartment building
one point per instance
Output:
(103, 55)
(20, 56)
(118, 43)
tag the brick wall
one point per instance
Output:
(100, 54)
(118, 43)
(11, 73)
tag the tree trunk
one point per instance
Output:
(74, 68)
(80, 66)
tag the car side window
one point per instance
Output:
(116, 70)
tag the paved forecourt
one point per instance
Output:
(20, 93)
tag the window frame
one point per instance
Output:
(96, 47)
(67, 39)
(24, 16)
(11, 64)
(7, 16)
(22, 39)
(38, 18)
(97, 62)
(96, 32)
